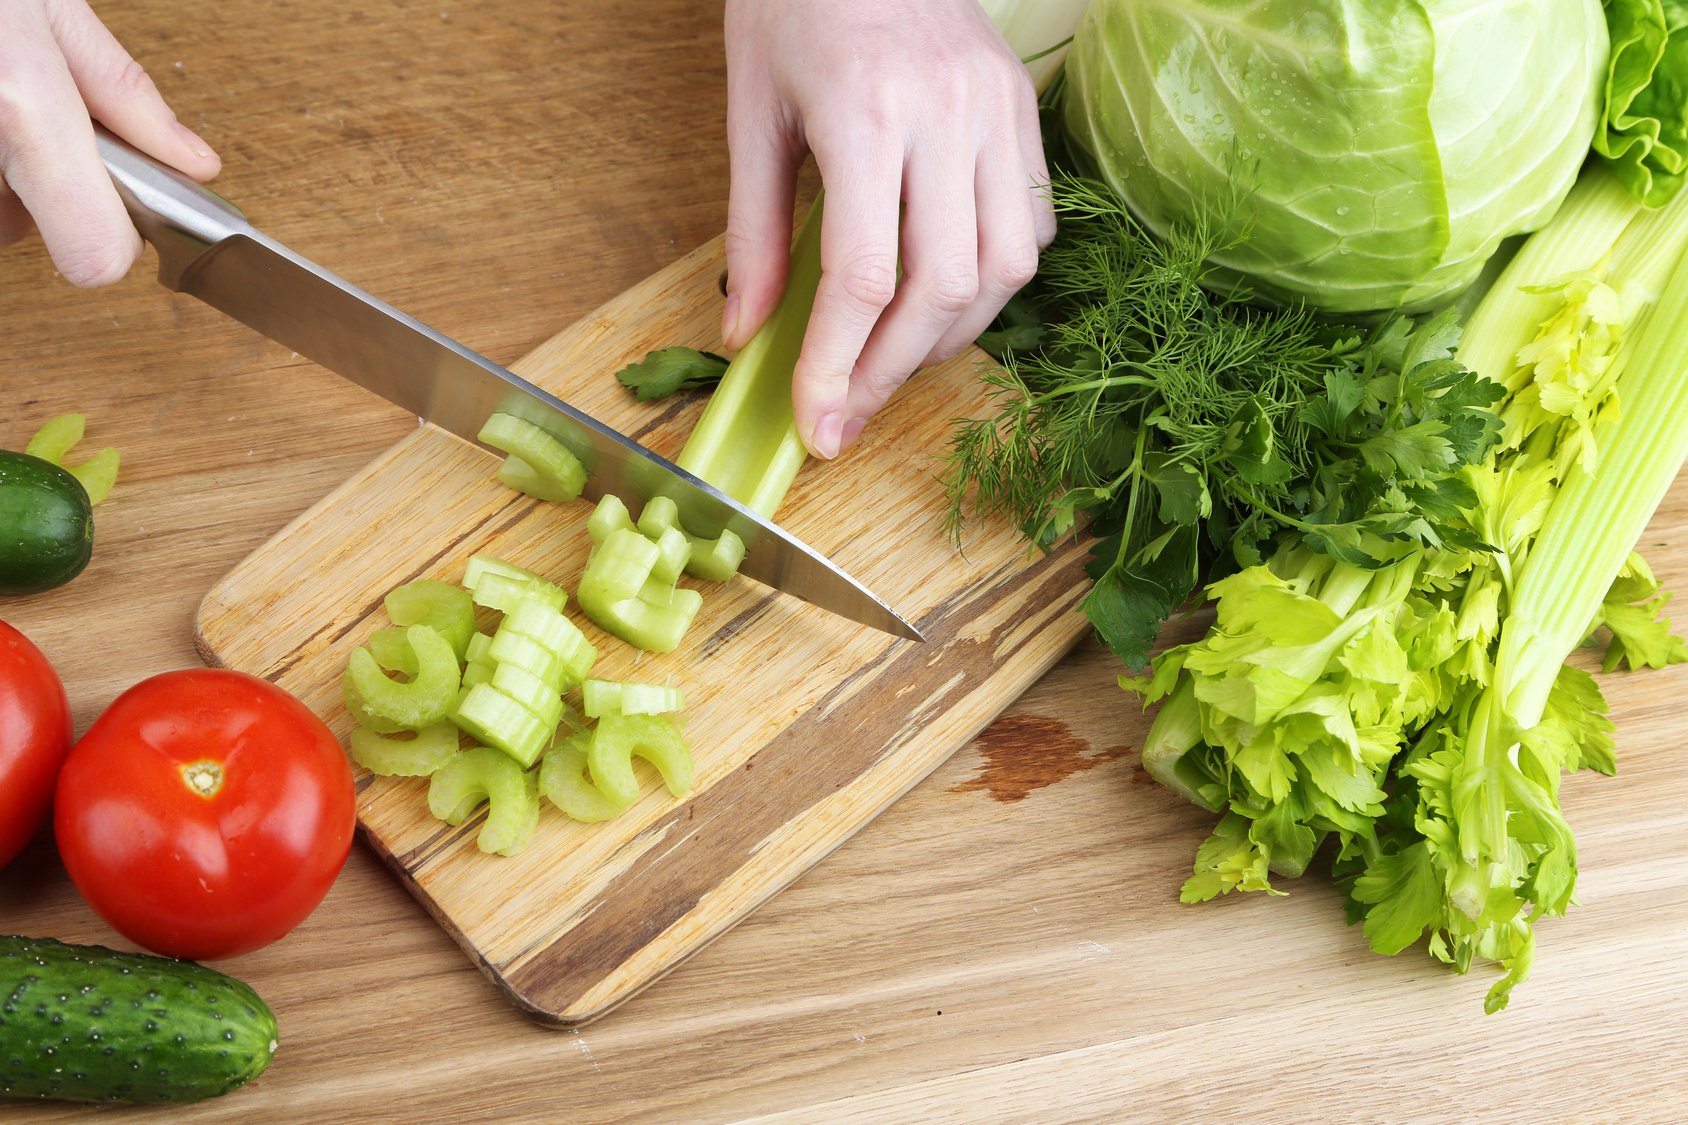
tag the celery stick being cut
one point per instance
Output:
(745, 443)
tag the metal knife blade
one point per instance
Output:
(208, 249)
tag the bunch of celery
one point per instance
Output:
(1422, 713)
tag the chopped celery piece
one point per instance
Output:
(490, 716)
(610, 514)
(523, 477)
(576, 656)
(617, 739)
(746, 442)
(672, 551)
(660, 514)
(538, 464)
(477, 648)
(478, 672)
(360, 712)
(479, 566)
(562, 640)
(57, 436)
(563, 780)
(524, 652)
(445, 607)
(619, 593)
(97, 474)
(530, 691)
(541, 622)
(480, 775)
(499, 585)
(392, 651)
(714, 560)
(478, 664)
(604, 697)
(618, 568)
(421, 701)
(672, 545)
(432, 748)
(503, 593)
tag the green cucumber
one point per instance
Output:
(89, 1024)
(46, 525)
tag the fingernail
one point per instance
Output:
(729, 320)
(852, 430)
(193, 140)
(823, 442)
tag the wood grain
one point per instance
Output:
(804, 726)
(504, 170)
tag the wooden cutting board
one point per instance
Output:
(804, 726)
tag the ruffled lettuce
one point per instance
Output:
(1643, 132)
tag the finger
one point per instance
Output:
(15, 223)
(858, 280)
(763, 159)
(48, 159)
(940, 281)
(1008, 248)
(121, 96)
(1030, 131)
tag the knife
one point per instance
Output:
(207, 249)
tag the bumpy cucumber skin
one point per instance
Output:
(89, 1024)
(46, 525)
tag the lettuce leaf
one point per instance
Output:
(1644, 128)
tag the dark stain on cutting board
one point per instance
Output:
(1027, 752)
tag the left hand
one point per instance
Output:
(917, 109)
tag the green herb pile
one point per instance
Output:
(1403, 530)
(1191, 428)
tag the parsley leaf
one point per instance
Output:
(667, 370)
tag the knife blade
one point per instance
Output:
(207, 249)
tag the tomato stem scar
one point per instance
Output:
(203, 778)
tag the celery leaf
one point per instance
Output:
(1633, 613)
(1228, 860)
(1403, 897)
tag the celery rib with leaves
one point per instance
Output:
(1420, 716)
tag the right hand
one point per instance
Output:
(60, 71)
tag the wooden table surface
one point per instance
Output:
(1004, 944)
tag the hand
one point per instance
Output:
(915, 103)
(61, 70)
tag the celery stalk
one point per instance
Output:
(1491, 792)
(746, 443)
(1587, 224)
(1176, 732)
(1597, 516)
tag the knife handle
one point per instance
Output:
(179, 217)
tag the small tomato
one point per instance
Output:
(34, 739)
(205, 813)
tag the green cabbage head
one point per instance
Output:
(1384, 147)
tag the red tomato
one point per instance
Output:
(205, 813)
(34, 738)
